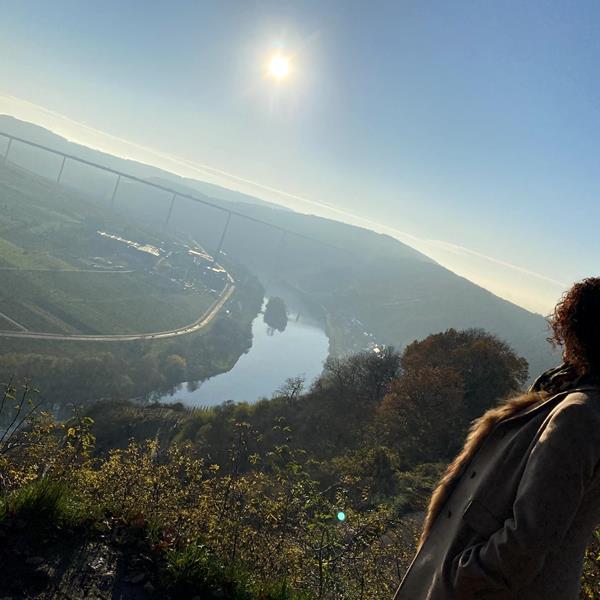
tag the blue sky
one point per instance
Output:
(470, 130)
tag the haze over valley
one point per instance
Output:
(365, 290)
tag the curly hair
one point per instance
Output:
(575, 325)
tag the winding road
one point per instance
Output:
(202, 322)
(52, 270)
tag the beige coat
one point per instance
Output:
(514, 515)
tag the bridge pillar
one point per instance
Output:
(112, 198)
(170, 211)
(62, 166)
(7, 150)
(222, 240)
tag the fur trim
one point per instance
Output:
(480, 428)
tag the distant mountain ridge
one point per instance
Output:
(388, 288)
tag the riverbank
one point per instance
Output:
(274, 356)
(144, 369)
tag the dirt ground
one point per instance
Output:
(42, 564)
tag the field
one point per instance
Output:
(58, 275)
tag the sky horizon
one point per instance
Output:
(468, 133)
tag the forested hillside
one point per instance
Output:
(317, 493)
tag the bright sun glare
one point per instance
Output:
(279, 66)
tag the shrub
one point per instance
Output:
(43, 502)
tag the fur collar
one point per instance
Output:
(480, 428)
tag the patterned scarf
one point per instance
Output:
(562, 378)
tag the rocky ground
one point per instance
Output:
(41, 564)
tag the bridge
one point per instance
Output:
(175, 195)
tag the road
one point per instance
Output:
(202, 322)
(17, 325)
(51, 270)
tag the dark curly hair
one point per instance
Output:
(575, 325)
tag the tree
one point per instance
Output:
(276, 314)
(447, 380)
(362, 378)
(175, 368)
(489, 367)
(424, 413)
(292, 388)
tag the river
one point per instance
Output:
(274, 356)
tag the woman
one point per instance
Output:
(514, 512)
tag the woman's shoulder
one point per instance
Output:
(588, 397)
(573, 430)
(580, 408)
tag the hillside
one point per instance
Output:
(313, 494)
(69, 268)
(367, 283)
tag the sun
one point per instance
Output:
(279, 66)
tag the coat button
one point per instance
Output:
(473, 474)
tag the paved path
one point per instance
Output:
(17, 325)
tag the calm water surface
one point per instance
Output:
(274, 356)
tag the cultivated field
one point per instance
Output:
(59, 275)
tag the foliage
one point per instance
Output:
(143, 369)
(43, 501)
(292, 388)
(276, 314)
(220, 528)
(447, 380)
(242, 501)
(489, 367)
(424, 411)
(193, 570)
(590, 582)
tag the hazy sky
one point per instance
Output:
(470, 130)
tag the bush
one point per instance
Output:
(193, 571)
(43, 502)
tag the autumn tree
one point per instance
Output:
(446, 381)
(489, 368)
(175, 368)
(424, 412)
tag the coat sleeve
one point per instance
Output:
(559, 468)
